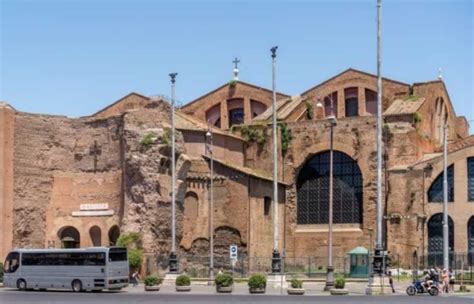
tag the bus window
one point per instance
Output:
(117, 254)
(12, 262)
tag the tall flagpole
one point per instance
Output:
(276, 260)
(173, 259)
(445, 199)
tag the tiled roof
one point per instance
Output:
(460, 144)
(284, 108)
(265, 175)
(405, 106)
(187, 122)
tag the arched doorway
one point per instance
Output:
(69, 237)
(191, 205)
(435, 239)
(96, 237)
(313, 190)
(114, 234)
(470, 240)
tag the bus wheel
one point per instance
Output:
(21, 284)
(76, 285)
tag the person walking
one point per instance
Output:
(390, 281)
(452, 279)
(135, 278)
(445, 280)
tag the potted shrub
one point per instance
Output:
(257, 283)
(339, 285)
(224, 282)
(152, 283)
(296, 287)
(183, 283)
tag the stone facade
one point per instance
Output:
(82, 179)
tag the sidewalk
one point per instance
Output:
(311, 288)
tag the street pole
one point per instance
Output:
(276, 260)
(378, 236)
(445, 199)
(211, 206)
(173, 259)
(330, 267)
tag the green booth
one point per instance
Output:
(359, 258)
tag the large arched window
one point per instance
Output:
(327, 104)
(236, 111)
(191, 205)
(96, 236)
(114, 234)
(435, 193)
(435, 239)
(470, 240)
(213, 115)
(470, 179)
(313, 190)
(370, 101)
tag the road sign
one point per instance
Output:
(233, 252)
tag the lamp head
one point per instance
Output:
(319, 104)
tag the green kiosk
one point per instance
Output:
(359, 258)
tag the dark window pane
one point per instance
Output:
(470, 179)
(351, 102)
(435, 192)
(236, 116)
(370, 101)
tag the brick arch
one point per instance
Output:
(95, 233)
(69, 237)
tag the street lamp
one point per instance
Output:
(211, 204)
(173, 259)
(332, 123)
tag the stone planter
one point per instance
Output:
(152, 288)
(183, 288)
(339, 292)
(226, 289)
(257, 290)
(295, 291)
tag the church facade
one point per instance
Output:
(78, 182)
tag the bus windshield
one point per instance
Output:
(12, 262)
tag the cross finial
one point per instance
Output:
(236, 62)
(173, 77)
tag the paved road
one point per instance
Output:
(13, 296)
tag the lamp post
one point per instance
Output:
(445, 199)
(173, 259)
(211, 204)
(276, 259)
(332, 123)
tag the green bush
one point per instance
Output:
(1, 272)
(232, 83)
(224, 280)
(340, 283)
(183, 280)
(135, 258)
(148, 140)
(130, 240)
(152, 280)
(295, 283)
(257, 281)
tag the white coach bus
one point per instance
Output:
(82, 269)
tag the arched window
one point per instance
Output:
(257, 108)
(114, 234)
(327, 104)
(435, 193)
(267, 205)
(213, 115)
(351, 102)
(370, 101)
(191, 205)
(470, 179)
(313, 190)
(95, 234)
(435, 239)
(69, 237)
(236, 111)
(470, 240)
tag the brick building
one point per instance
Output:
(82, 181)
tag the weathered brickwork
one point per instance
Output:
(111, 171)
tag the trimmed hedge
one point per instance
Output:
(183, 280)
(152, 280)
(257, 281)
(224, 280)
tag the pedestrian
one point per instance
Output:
(445, 280)
(135, 277)
(452, 279)
(390, 281)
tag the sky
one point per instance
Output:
(73, 58)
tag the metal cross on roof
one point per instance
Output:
(236, 62)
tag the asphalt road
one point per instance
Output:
(17, 297)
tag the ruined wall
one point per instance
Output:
(47, 147)
(7, 126)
